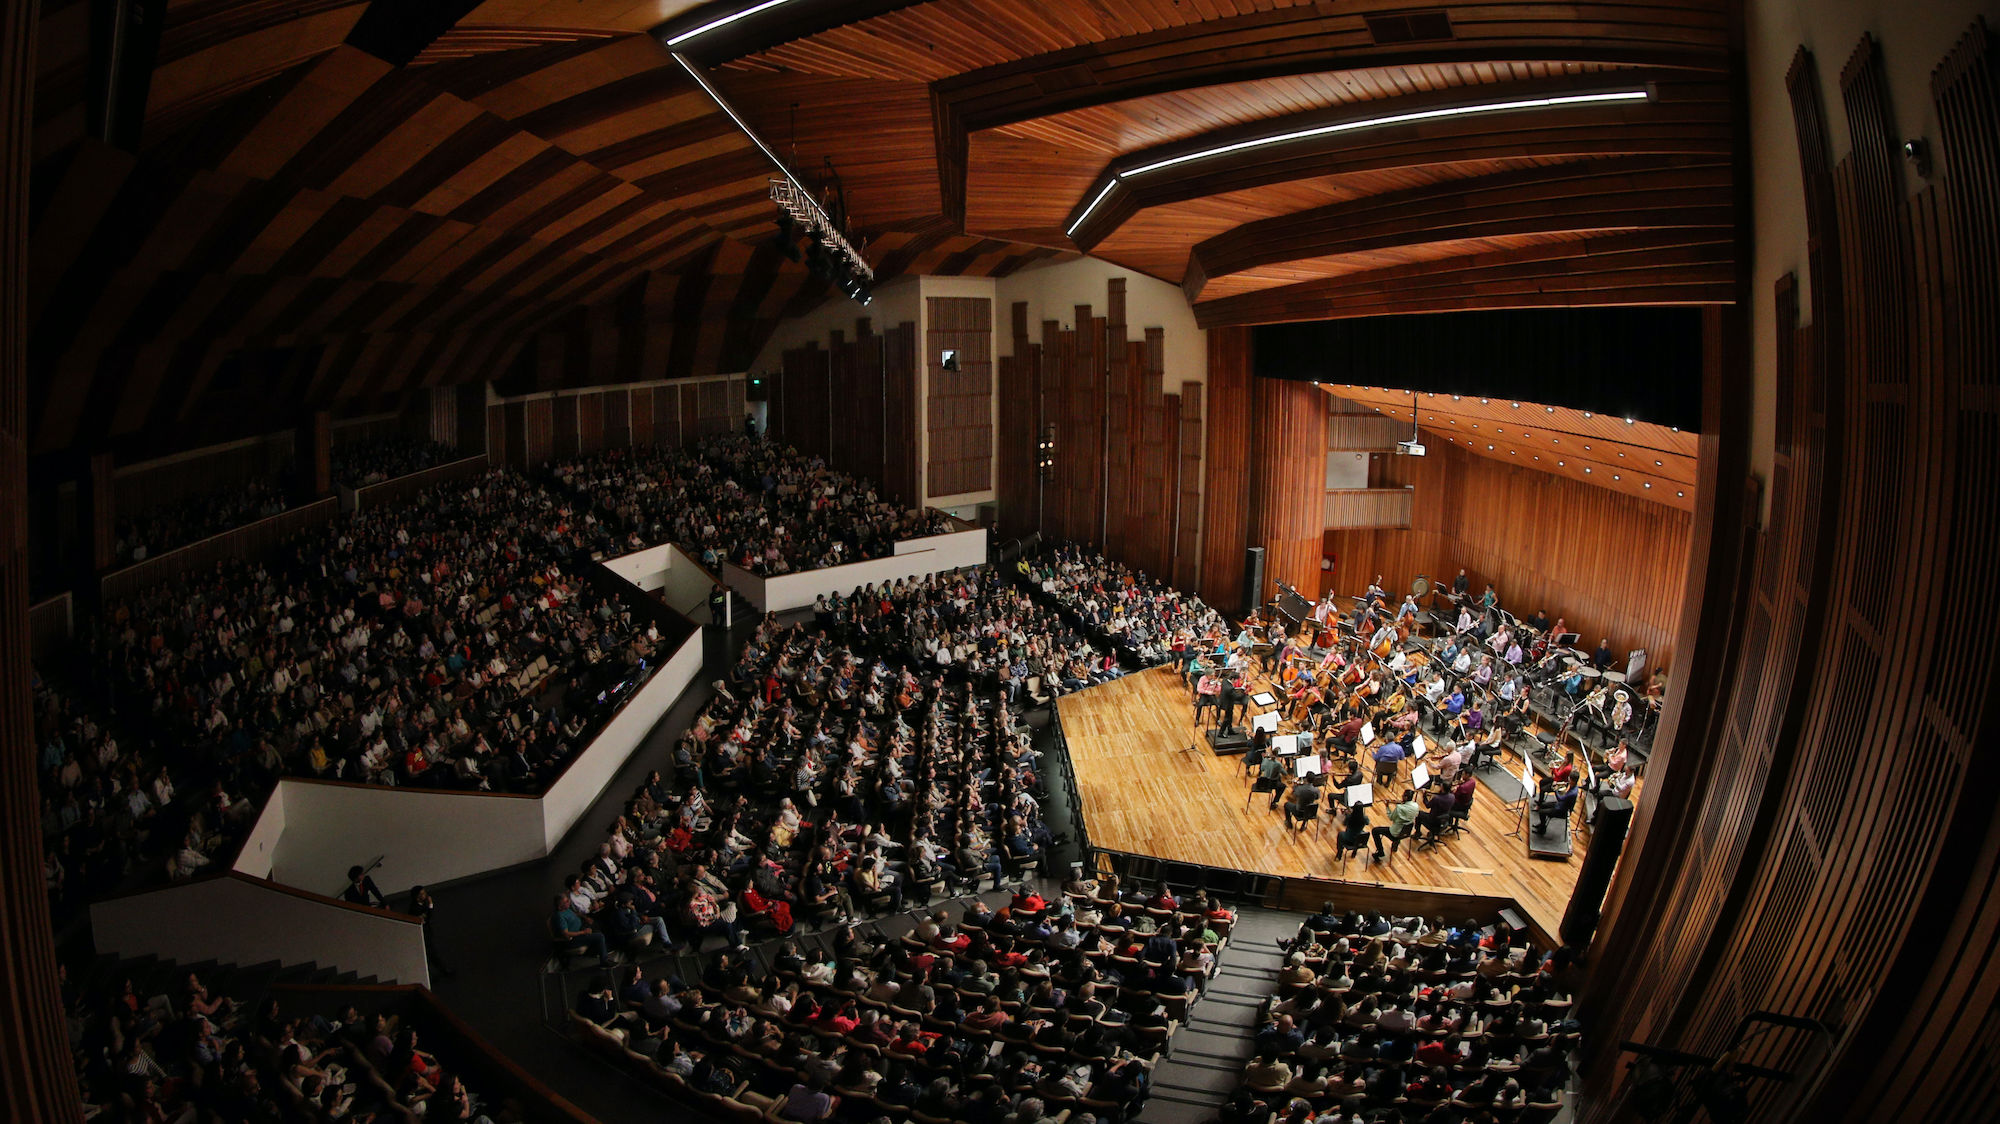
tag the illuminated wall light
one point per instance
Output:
(1586, 468)
(1550, 409)
(1681, 494)
(1559, 464)
(1586, 413)
(1659, 464)
(1482, 401)
(1615, 476)
(1628, 421)
(1489, 448)
(1649, 483)
(1514, 405)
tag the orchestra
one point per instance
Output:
(1370, 680)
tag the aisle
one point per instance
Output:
(1206, 1062)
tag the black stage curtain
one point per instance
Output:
(1642, 363)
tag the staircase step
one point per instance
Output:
(1204, 1043)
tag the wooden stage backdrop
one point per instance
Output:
(1145, 792)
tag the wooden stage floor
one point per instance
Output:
(1144, 792)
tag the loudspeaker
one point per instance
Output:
(1607, 840)
(1253, 579)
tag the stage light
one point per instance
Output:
(1649, 483)
(1681, 494)
(1659, 464)
(1586, 468)
(725, 21)
(1550, 409)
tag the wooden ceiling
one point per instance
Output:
(1652, 462)
(353, 198)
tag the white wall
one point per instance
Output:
(893, 304)
(1914, 38)
(913, 558)
(261, 845)
(237, 920)
(585, 779)
(1346, 469)
(1054, 291)
(667, 567)
(424, 836)
(429, 836)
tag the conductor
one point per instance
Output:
(1231, 701)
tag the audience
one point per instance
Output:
(1019, 1013)
(1435, 1023)
(156, 530)
(193, 1056)
(1139, 616)
(440, 643)
(763, 507)
(358, 464)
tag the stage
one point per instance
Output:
(1145, 792)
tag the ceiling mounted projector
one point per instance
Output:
(1412, 448)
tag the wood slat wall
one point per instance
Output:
(959, 403)
(1357, 508)
(853, 399)
(1830, 852)
(1188, 516)
(1225, 516)
(1287, 477)
(899, 419)
(1128, 456)
(1611, 565)
(37, 1076)
(1019, 429)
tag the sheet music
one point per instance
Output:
(1263, 698)
(1363, 793)
(1527, 776)
(1307, 767)
(1418, 747)
(1368, 733)
(1285, 745)
(1264, 722)
(1420, 776)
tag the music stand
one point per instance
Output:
(1527, 797)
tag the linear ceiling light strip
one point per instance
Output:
(1349, 127)
(725, 21)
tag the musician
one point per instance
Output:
(1271, 777)
(1539, 622)
(1402, 821)
(1388, 759)
(1597, 698)
(1554, 804)
(1572, 682)
(1232, 701)
(1348, 732)
(1375, 591)
(1602, 658)
(1459, 585)
(1463, 662)
(1383, 641)
(1305, 795)
(1513, 655)
(1484, 676)
(1619, 755)
(1466, 620)
(1501, 639)
(1438, 803)
(1621, 712)
(1206, 693)
(1409, 610)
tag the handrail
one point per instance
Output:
(217, 874)
(397, 487)
(322, 899)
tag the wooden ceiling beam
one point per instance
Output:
(1629, 193)
(1682, 118)
(1670, 267)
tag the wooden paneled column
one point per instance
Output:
(313, 452)
(1225, 514)
(1288, 481)
(97, 511)
(37, 1081)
